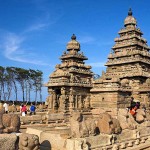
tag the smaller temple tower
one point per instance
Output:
(69, 85)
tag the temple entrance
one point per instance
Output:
(58, 91)
(58, 94)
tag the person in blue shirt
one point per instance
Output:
(32, 109)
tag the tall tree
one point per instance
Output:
(22, 77)
(11, 71)
(2, 76)
(36, 77)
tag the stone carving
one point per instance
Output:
(140, 115)
(107, 124)
(125, 82)
(63, 99)
(126, 119)
(9, 122)
(28, 142)
(115, 147)
(81, 128)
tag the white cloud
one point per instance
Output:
(97, 64)
(37, 26)
(13, 50)
(86, 39)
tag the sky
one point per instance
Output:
(34, 33)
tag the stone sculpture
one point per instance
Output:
(126, 119)
(80, 127)
(107, 124)
(28, 142)
(140, 115)
(11, 123)
(8, 122)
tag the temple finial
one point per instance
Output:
(130, 12)
(73, 37)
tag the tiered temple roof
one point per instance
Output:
(72, 71)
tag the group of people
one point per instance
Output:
(23, 109)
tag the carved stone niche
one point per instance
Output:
(80, 127)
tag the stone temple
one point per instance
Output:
(83, 113)
(71, 86)
(128, 70)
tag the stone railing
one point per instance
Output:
(42, 118)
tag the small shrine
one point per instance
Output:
(69, 85)
(128, 70)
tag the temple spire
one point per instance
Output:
(73, 37)
(130, 12)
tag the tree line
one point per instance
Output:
(14, 79)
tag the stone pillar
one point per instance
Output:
(55, 103)
(87, 102)
(80, 102)
(71, 102)
(62, 100)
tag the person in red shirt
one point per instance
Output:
(133, 111)
(23, 110)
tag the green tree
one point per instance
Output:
(2, 76)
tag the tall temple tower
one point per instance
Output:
(128, 70)
(69, 85)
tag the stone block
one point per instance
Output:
(52, 140)
(99, 140)
(8, 142)
(76, 144)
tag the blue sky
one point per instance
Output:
(34, 33)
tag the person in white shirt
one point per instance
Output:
(6, 107)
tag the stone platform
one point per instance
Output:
(57, 138)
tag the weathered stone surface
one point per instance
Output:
(97, 111)
(8, 142)
(107, 124)
(11, 123)
(140, 116)
(126, 120)
(76, 144)
(100, 140)
(52, 140)
(80, 127)
(8, 122)
(35, 131)
(28, 142)
(2, 111)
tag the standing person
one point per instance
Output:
(23, 110)
(20, 108)
(6, 107)
(32, 109)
